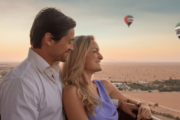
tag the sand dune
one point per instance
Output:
(138, 71)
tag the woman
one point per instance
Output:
(87, 99)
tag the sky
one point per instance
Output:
(150, 38)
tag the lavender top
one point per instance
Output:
(107, 111)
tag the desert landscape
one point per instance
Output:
(147, 72)
(168, 102)
(119, 71)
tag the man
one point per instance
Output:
(33, 89)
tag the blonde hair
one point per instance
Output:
(73, 70)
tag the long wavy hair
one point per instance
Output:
(72, 71)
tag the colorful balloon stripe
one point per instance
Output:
(177, 29)
(128, 20)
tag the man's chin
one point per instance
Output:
(97, 70)
(64, 59)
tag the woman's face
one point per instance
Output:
(93, 58)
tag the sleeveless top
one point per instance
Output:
(107, 111)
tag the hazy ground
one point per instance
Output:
(170, 99)
(146, 72)
(140, 72)
(6, 66)
(132, 71)
(163, 118)
(168, 102)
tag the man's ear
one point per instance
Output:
(48, 39)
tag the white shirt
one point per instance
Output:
(115, 102)
(29, 92)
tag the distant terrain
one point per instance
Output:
(161, 86)
(158, 83)
(5, 67)
(153, 82)
(161, 103)
(134, 72)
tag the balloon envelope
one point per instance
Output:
(177, 29)
(128, 20)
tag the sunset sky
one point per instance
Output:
(150, 38)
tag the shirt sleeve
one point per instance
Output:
(115, 102)
(19, 100)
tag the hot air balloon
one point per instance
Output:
(177, 29)
(128, 20)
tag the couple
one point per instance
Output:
(37, 89)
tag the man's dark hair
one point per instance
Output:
(52, 21)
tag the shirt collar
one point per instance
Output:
(56, 66)
(40, 63)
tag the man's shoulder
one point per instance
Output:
(20, 76)
(23, 68)
(22, 71)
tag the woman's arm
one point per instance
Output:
(128, 104)
(113, 92)
(73, 105)
(144, 110)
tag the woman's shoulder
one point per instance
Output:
(107, 84)
(70, 90)
(72, 101)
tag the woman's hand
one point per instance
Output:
(128, 108)
(144, 112)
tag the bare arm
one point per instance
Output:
(129, 104)
(113, 92)
(73, 105)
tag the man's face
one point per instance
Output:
(60, 50)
